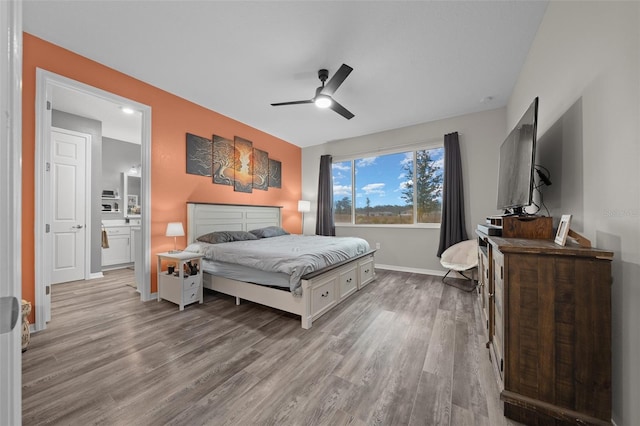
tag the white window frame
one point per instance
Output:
(396, 150)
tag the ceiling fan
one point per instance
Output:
(323, 98)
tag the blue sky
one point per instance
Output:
(380, 178)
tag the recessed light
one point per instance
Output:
(127, 110)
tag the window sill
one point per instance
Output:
(403, 226)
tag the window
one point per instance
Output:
(392, 189)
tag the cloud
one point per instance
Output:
(404, 185)
(364, 162)
(374, 188)
(344, 166)
(408, 158)
(344, 190)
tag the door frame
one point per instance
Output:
(11, 200)
(45, 81)
(87, 196)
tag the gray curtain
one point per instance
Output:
(452, 227)
(324, 218)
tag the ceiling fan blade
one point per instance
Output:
(337, 79)
(310, 101)
(341, 110)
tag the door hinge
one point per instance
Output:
(48, 105)
(47, 290)
(47, 228)
(47, 166)
(501, 364)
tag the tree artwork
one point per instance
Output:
(233, 162)
(198, 155)
(275, 174)
(260, 169)
(242, 165)
(222, 161)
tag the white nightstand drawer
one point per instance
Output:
(191, 282)
(191, 295)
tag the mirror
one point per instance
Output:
(131, 195)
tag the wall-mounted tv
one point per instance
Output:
(517, 164)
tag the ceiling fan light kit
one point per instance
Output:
(323, 101)
(323, 97)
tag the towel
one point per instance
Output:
(105, 239)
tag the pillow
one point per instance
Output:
(226, 237)
(269, 231)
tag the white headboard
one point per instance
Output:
(204, 218)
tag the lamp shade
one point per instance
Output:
(304, 206)
(174, 229)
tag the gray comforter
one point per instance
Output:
(294, 255)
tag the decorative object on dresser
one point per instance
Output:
(175, 230)
(548, 320)
(563, 229)
(180, 287)
(527, 226)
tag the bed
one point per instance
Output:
(310, 295)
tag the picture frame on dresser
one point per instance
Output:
(563, 229)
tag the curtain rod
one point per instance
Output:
(391, 148)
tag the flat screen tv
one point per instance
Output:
(517, 164)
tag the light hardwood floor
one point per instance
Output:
(406, 350)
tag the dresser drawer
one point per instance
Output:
(323, 297)
(348, 282)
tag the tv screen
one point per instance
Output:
(517, 164)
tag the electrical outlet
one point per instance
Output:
(377, 246)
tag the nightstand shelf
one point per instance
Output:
(182, 287)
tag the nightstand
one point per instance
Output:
(182, 287)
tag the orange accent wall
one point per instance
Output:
(172, 117)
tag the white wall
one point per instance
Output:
(584, 66)
(414, 249)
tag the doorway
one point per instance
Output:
(47, 85)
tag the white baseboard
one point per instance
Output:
(437, 273)
(95, 275)
(152, 296)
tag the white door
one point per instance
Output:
(68, 225)
(10, 212)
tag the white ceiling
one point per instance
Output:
(414, 62)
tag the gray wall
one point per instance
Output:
(584, 65)
(414, 249)
(67, 121)
(117, 158)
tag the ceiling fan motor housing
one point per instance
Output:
(323, 75)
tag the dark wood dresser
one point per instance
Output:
(548, 317)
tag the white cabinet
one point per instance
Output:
(119, 251)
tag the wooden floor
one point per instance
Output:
(406, 350)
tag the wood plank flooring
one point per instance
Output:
(405, 350)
